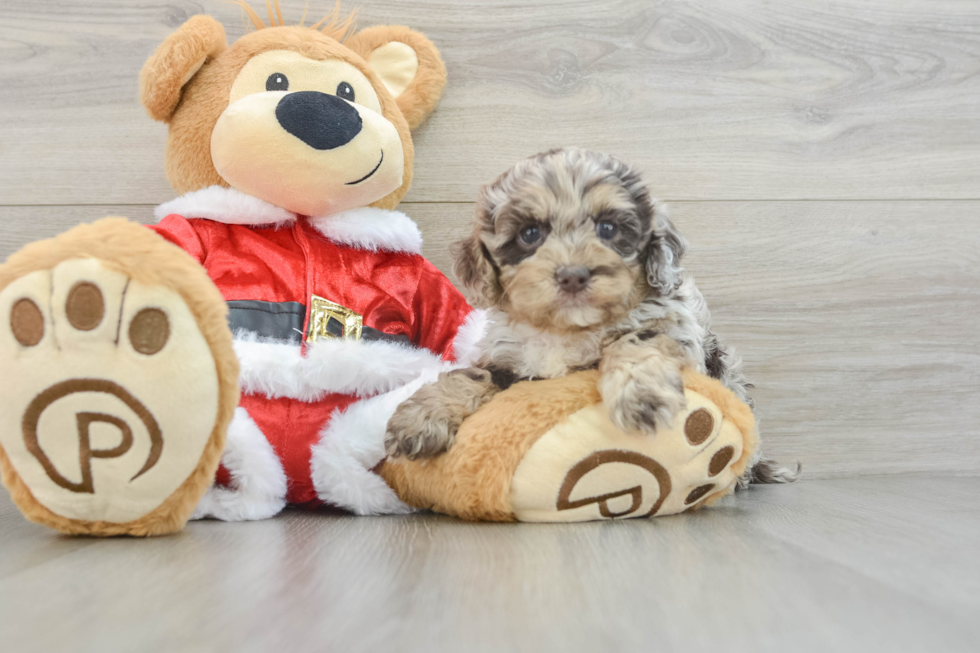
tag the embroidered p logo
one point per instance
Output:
(84, 421)
(651, 473)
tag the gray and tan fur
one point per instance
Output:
(579, 269)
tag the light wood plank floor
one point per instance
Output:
(866, 564)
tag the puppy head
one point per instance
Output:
(569, 240)
(314, 120)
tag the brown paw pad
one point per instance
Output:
(698, 426)
(149, 331)
(85, 306)
(27, 322)
(720, 460)
(697, 493)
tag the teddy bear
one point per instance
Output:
(246, 351)
(290, 148)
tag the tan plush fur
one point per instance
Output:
(145, 257)
(206, 94)
(472, 480)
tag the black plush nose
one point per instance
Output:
(573, 278)
(320, 120)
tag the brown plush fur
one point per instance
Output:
(472, 480)
(193, 110)
(133, 250)
(179, 56)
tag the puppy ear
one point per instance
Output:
(474, 268)
(664, 253)
(176, 61)
(407, 63)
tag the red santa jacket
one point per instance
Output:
(336, 321)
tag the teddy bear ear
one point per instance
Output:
(176, 61)
(409, 65)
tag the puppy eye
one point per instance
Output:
(277, 82)
(530, 235)
(345, 91)
(606, 230)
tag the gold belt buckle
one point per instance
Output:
(330, 320)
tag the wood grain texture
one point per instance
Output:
(745, 99)
(870, 564)
(858, 321)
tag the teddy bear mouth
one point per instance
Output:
(368, 175)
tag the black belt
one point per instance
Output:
(284, 321)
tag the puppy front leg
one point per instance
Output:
(425, 425)
(640, 381)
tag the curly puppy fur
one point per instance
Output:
(580, 269)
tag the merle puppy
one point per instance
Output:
(580, 269)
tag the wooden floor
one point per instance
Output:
(866, 564)
(823, 158)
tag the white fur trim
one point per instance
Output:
(225, 205)
(371, 229)
(465, 345)
(351, 445)
(352, 367)
(259, 482)
(353, 442)
(365, 228)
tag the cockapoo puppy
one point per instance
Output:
(580, 269)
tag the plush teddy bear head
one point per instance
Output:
(306, 118)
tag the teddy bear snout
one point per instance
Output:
(321, 120)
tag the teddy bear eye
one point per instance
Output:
(277, 82)
(606, 230)
(345, 91)
(529, 235)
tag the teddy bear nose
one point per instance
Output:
(573, 278)
(320, 120)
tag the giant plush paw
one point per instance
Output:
(548, 451)
(115, 393)
(587, 468)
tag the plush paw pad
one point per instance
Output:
(110, 390)
(587, 468)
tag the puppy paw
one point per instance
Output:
(418, 429)
(643, 400)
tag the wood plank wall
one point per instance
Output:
(822, 157)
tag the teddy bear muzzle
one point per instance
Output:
(308, 152)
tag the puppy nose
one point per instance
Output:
(320, 120)
(573, 278)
